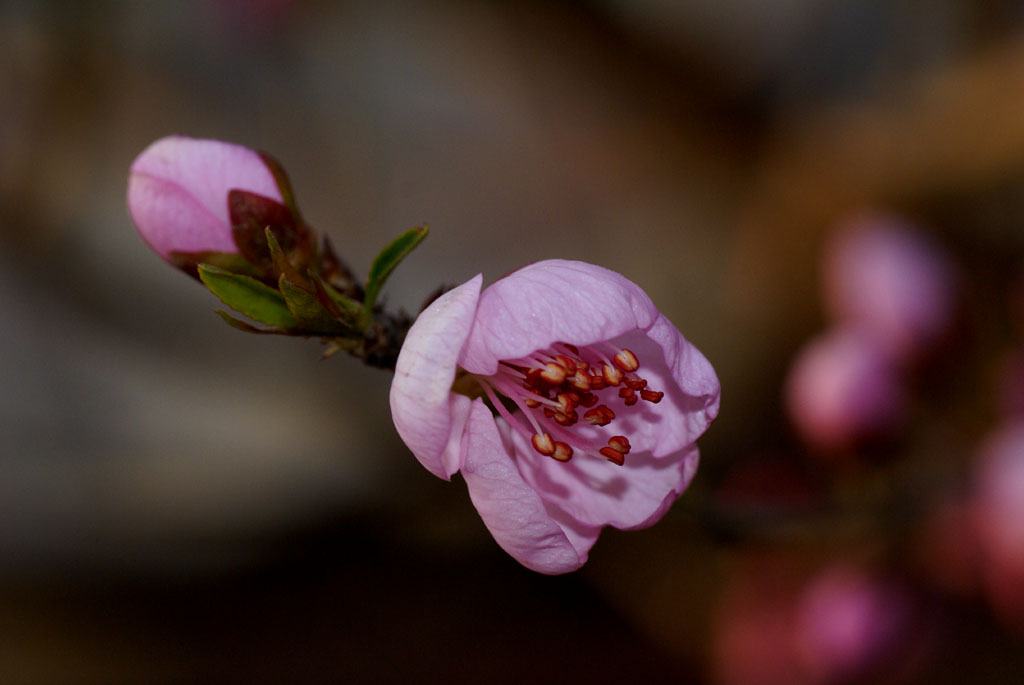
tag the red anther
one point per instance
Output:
(572, 348)
(562, 452)
(574, 396)
(553, 373)
(565, 403)
(597, 382)
(549, 412)
(631, 400)
(568, 363)
(532, 404)
(566, 419)
(599, 416)
(612, 375)
(582, 366)
(637, 384)
(533, 379)
(579, 380)
(626, 361)
(543, 443)
(626, 392)
(619, 443)
(612, 455)
(653, 396)
(588, 399)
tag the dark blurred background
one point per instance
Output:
(179, 501)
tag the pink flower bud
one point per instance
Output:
(178, 192)
(851, 625)
(843, 389)
(892, 282)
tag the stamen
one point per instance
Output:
(626, 360)
(566, 419)
(543, 444)
(563, 452)
(567, 363)
(559, 380)
(554, 373)
(612, 375)
(619, 443)
(599, 416)
(612, 455)
(634, 383)
(580, 380)
(651, 396)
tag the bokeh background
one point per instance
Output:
(179, 501)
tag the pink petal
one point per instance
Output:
(596, 492)
(549, 301)
(427, 415)
(692, 394)
(511, 510)
(169, 219)
(178, 189)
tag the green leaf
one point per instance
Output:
(341, 306)
(247, 296)
(247, 327)
(307, 310)
(387, 260)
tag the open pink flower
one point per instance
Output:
(178, 192)
(600, 402)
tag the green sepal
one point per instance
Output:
(307, 310)
(387, 260)
(247, 296)
(228, 261)
(282, 267)
(281, 181)
(345, 308)
(248, 327)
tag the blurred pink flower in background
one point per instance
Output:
(609, 399)
(892, 282)
(851, 624)
(178, 192)
(998, 513)
(842, 389)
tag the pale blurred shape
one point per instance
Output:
(888, 279)
(998, 512)
(842, 389)
(752, 631)
(848, 623)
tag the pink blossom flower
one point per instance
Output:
(178, 192)
(850, 624)
(892, 282)
(843, 389)
(599, 399)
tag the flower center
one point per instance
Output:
(552, 387)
